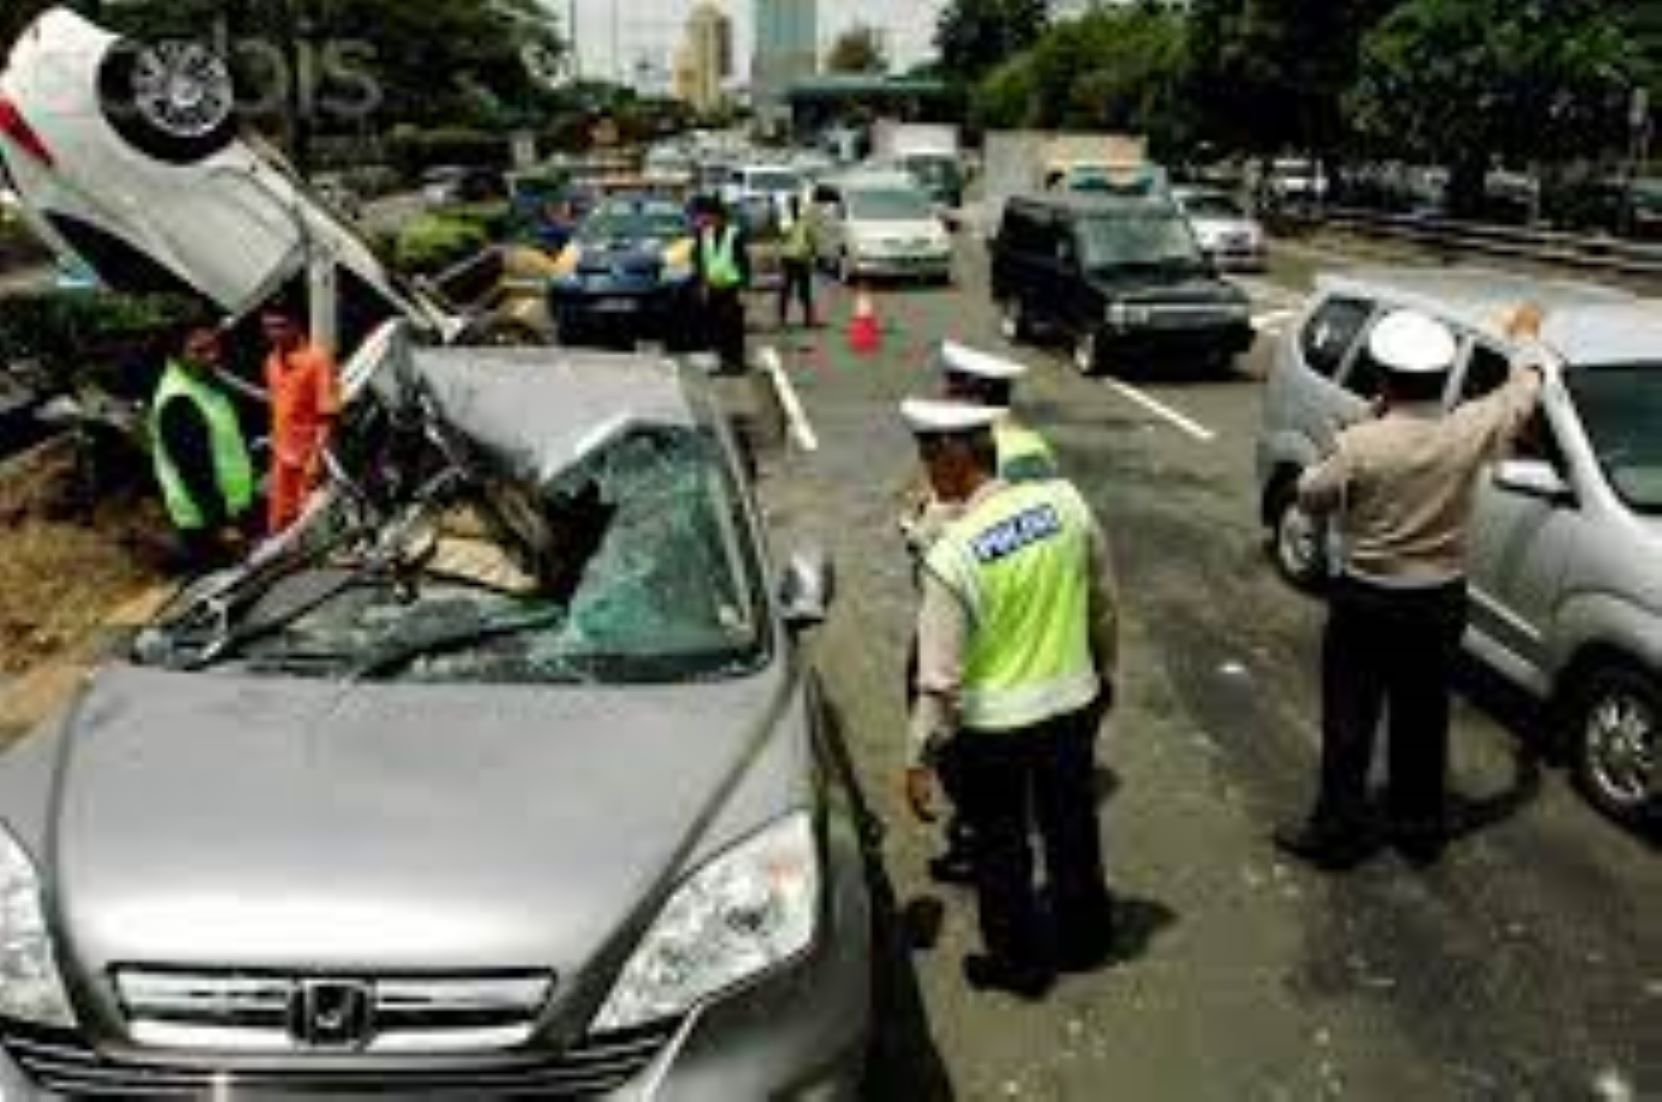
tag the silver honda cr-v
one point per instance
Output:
(1566, 553)
(501, 777)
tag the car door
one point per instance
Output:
(1079, 304)
(1520, 541)
(1039, 282)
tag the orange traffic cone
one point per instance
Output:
(865, 333)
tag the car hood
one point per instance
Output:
(1149, 285)
(922, 229)
(623, 255)
(281, 824)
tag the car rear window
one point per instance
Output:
(1332, 331)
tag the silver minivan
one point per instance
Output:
(1566, 550)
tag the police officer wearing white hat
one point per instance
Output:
(984, 379)
(1017, 634)
(1398, 489)
(987, 380)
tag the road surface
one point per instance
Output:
(1522, 967)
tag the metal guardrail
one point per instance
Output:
(1608, 255)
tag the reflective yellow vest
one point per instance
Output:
(721, 259)
(1023, 455)
(1020, 564)
(233, 469)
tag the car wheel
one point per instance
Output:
(1296, 540)
(1012, 321)
(172, 100)
(1617, 717)
(1087, 353)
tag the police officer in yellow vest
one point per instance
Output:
(200, 455)
(798, 253)
(721, 257)
(981, 379)
(1017, 640)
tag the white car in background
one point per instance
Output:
(126, 159)
(880, 225)
(776, 184)
(1228, 235)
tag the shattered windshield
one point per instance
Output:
(637, 568)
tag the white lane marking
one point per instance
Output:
(1187, 424)
(801, 427)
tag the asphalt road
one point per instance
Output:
(1520, 968)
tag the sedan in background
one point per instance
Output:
(881, 225)
(1228, 235)
(626, 275)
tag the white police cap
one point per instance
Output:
(961, 359)
(940, 417)
(1412, 343)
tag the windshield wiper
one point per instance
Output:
(401, 654)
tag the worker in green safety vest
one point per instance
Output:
(1017, 641)
(721, 258)
(200, 454)
(981, 379)
(798, 254)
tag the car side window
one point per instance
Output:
(1537, 440)
(1366, 376)
(1487, 369)
(1331, 331)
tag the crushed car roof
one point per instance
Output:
(545, 409)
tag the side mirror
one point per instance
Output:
(1534, 478)
(806, 590)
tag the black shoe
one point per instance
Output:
(955, 867)
(1331, 849)
(1029, 982)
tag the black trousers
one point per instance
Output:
(797, 281)
(1010, 782)
(1388, 652)
(724, 319)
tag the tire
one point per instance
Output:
(1087, 353)
(1616, 743)
(173, 101)
(1295, 540)
(1012, 321)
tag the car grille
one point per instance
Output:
(252, 1012)
(1183, 315)
(594, 1067)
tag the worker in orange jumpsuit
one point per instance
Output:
(304, 385)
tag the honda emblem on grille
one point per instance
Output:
(337, 1014)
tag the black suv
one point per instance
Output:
(1123, 278)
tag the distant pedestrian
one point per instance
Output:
(1399, 489)
(304, 388)
(798, 255)
(986, 380)
(721, 258)
(200, 454)
(1017, 637)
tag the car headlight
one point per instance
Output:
(749, 910)
(31, 989)
(1125, 315)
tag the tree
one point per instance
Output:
(859, 49)
(974, 37)
(1269, 75)
(1464, 82)
(1118, 69)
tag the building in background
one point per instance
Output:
(787, 50)
(704, 60)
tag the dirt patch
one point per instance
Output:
(66, 565)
